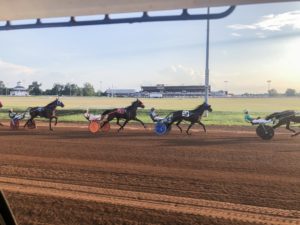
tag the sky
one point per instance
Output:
(254, 44)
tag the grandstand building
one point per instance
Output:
(160, 91)
(120, 93)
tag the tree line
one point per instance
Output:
(68, 89)
(289, 93)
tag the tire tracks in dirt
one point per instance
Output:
(214, 209)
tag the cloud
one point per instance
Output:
(272, 22)
(11, 73)
(179, 75)
(236, 34)
(8, 68)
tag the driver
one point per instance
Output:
(250, 119)
(154, 116)
(92, 117)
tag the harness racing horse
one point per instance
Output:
(0, 108)
(47, 111)
(128, 113)
(285, 118)
(192, 116)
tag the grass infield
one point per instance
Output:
(226, 111)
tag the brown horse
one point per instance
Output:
(128, 113)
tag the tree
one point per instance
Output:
(72, 90)
(2, 88)
(34, 88)
(57, 89)
(290, 92)
(273, 92)
(88, 90)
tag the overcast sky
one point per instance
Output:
(254, 44)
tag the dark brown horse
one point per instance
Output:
(285, 118)
(193, 116)
(0, 108)
(128, 113)
(47, 111)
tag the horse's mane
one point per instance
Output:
(198, 107)
(51, 103)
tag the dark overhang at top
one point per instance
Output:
(16, 10)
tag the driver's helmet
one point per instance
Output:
(152, 109)
(246, 111)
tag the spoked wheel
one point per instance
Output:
(31, 124)
(94, 127)
(14, 124)
(161, 128)
(265, 132)
(106, 127)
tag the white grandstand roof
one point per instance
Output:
(33, 9)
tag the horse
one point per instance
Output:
(128, 113)
(285, 118)
(47, 111)
(1, 125)
(192, 116)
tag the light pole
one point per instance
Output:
(207, 59)
(100, 88)
(226, 86)
(269, 85)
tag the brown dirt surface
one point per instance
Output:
(225, 176)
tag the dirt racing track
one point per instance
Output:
(226, 176)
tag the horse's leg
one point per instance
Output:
(177, 124)
(288, 127)
(187, 131)
(50, 123)
(118, 122)
(296, 134)
(27, 122)
(136, 119)
(104, 123)
(201, 124)
(55, 120)
(278, 124)
(122, 127)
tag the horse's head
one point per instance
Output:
(59, 103)
(138, 103)
(207, 107)
(1, 105)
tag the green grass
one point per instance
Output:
(227, 111)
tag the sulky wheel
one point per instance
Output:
(94, 126)
(161, 128)
(31, 124)
(14, 124)
(106, 127)
(265, 132)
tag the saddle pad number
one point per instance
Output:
(185, 113)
